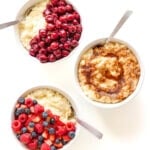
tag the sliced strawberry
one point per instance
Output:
(52, 137)
(38, 109)
(48, 141)
(66, 138)
(17, 105)
(45, 134)
(25, 138)
(36, 118)
(23, 106)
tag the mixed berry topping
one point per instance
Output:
(40, 129)
(61, 34)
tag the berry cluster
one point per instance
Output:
(40, 129)
(61, 35)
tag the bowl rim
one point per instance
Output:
(63, 92)
(106, 105)
(22, 11)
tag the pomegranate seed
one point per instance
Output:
(65, 26)
(69, 7)
(72, 29)
(70, 17)
(62, 33)
(46, 12)
(43, 51)
(42, 33)
(61, 46)
(43, 58)
(67, 45)
(58, 24)
(32, 52)
(79, 28)
(55, 9)
(49, 19)
(33, 41)
(61, 3)
(75, 22)
(54, 2)
(52, 58)
(41, 44)
(57, 53)
(63, 40)
(35, 47)
(63, 18)
(65, 53)
(48, 40)
(77, 36)
(54, 35)
(50, 26)
(74, 43)
(54, 45)
(77, 16)
(61, 9)
(49, 6)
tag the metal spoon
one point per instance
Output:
(118, 26)
(14, 22)
(90, 128)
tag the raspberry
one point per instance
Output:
(39, 128)
(33, 145)
(28, 102)
(38, 109)
(61, 130)
(16, 125)
(22, 118)
(25, 138)
(45, 146)
(70, 126)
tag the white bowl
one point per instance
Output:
(71, 101)
(108, 105)
(20, 14)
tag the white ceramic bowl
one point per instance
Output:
(29, 4)
(100, 104)
(71, 101)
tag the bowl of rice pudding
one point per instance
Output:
(108, 75)
(48, 29)
(44, 118)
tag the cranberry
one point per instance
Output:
(42, 32)
(72, 29)
(50, 26)
(52, 58)
(62, 33)
(54, 45)
(54, 35)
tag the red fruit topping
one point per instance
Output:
(22, 118)
(45, 134)
(52, 137)
(66, 138)
(33, 145)
(25, 138)
(38, 108)
(45, 146)
(39, 128)
(28, 102)
(16, 125)
(70, 126)
(61, 130)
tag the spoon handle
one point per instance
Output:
(119, 25)
(90, 128)
(7, 24)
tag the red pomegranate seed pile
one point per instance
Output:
(61, 34)
(40, 129)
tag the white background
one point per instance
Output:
(127, 127)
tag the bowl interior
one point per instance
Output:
(107, 105)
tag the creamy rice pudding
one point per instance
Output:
(108, 73)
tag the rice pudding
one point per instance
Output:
(109, 73)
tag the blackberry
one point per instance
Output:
(21, 100)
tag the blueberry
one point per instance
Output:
(53, 147)
(64, 142)
(18, 136)
(21, 100)
(51, 131)
(35, 102)
(19, 111)
(33, 134)
(52, 121)
(27, 111)
(40, 143)
(24, 130)
(44, 115)
(45, 123)
(31, 124)
(58, 140)
(40, 138)
(71, 134)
